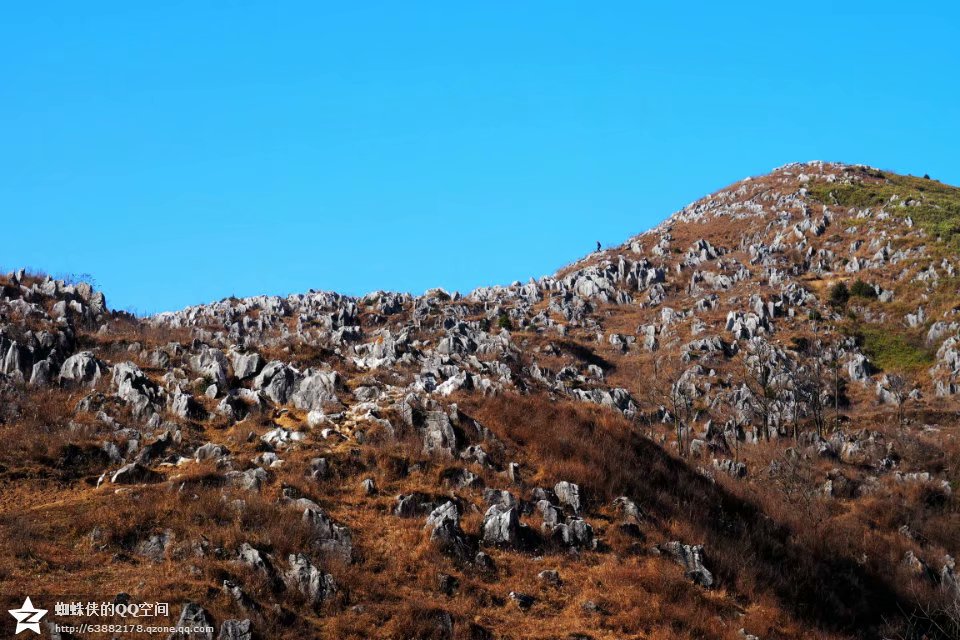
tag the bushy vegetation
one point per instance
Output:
(861, 289)
(839, 294)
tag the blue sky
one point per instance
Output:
(181, 152)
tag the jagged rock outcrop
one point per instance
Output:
(305, 577)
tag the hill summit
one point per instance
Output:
(741, 423)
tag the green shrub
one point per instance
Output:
(862, 290)
(503, 321)
(839, 294)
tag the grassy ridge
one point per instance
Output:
(937, 208)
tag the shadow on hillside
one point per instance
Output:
(745, 548)
(832, 592)
(585, 354)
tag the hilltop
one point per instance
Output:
(740, 423)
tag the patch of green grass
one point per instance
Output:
(893, 349)
(938, 211)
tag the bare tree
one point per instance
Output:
(833, 353)
(759, 379)
(737, 427)
(667, 389)
(800, 485)
(933, 621)
(811, 383)
(898, 389)
(732, 432)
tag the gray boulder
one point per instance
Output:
(499, 497)
(135, 473)
(249, 480)
(438, 434)
(17, 361)
(236, 630)
(155, 449)
(195, 617)
(628, 509)
(447, 511)
(183, 405)
(436, 431)
(730, 467)
(444, 522)
(550, 576)
(330, 537)
(306, 578)
(42, 372)
(154, 547)
(522, 600)
(415, 504)
(316, 390)
(575, 532)
(859, 368)
(549, 513)
(211, 364)
(691, 558)
(211, 451)
(501, 526)
(82, 368)
(259, 562)
(568, 494)
(278, 381)
(136, 389)
(246, 365)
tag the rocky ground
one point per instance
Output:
(741, 423)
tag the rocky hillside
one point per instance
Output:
(741, 423)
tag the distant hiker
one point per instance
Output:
(598, 245)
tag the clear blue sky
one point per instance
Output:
(181, 152)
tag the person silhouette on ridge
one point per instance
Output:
(598, 245)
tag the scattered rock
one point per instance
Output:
(193, 616)
(691, 558)
(236, 630)
(135, 473)
(312, 583)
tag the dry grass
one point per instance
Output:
(756, 542)
(789, 561)
(778, 575)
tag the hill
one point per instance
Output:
(740, 423)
